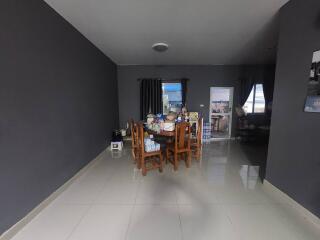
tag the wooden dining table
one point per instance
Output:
(162, 133)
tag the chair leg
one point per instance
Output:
(198, 153)
(134, 155)
(195, 153)
(138, 160)
(188, 162)
(143, 166)
(167, 155)
(175, 165)
(161, 163)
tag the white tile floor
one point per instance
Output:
(220, 197)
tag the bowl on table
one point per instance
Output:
(168, 126)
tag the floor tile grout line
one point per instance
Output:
(94, 202)
(129, 222)
(78, 224)
(180, 222)
(179, 213)
(235, 229)
(126, 229)
(90, 206)
(132, 211)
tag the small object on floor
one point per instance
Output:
(123, 132)
(116, 146)
(116, 140)
(116, 136)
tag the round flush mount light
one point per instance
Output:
(160, 47)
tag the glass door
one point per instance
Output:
(220, 115)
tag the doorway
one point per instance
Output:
(220, 115)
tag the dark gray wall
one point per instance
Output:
(58, 104)
(201, 79)
(294, 163)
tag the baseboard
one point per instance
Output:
(218, 140)
(11, 232)
(305, 213)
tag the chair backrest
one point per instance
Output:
(182, 136)
(131, 122)
(140, 138)
(199, 131)
(134, 133)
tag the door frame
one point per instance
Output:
(227, 114)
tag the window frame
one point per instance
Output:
(171, 81)
(254, 87)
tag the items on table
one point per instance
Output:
(150, 118)
(150, 145)
(184, 110)
(168, 126)
(160, 122)
(156, 127)
(169, 123)
(153, 122)
(171, 116)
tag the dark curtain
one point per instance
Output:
(268, 86)
(150, 97)
(184, 90)
(246, 85)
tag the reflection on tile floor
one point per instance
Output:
(219, 197)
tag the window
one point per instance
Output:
(171, 97)
(256, 101)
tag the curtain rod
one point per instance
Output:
(163, 79)
(140, 79)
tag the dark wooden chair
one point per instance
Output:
(181, 146)
(196, 143)
(148, 160)
(134, 141)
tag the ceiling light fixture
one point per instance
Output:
(160, 47)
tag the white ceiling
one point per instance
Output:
(197, 31)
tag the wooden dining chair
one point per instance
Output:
(148, 160)
(196, 143)
(181, 146)
(134, 141)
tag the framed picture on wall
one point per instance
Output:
(313, 94)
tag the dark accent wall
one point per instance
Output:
(58, 104)
(294, 163)
(201, 78)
